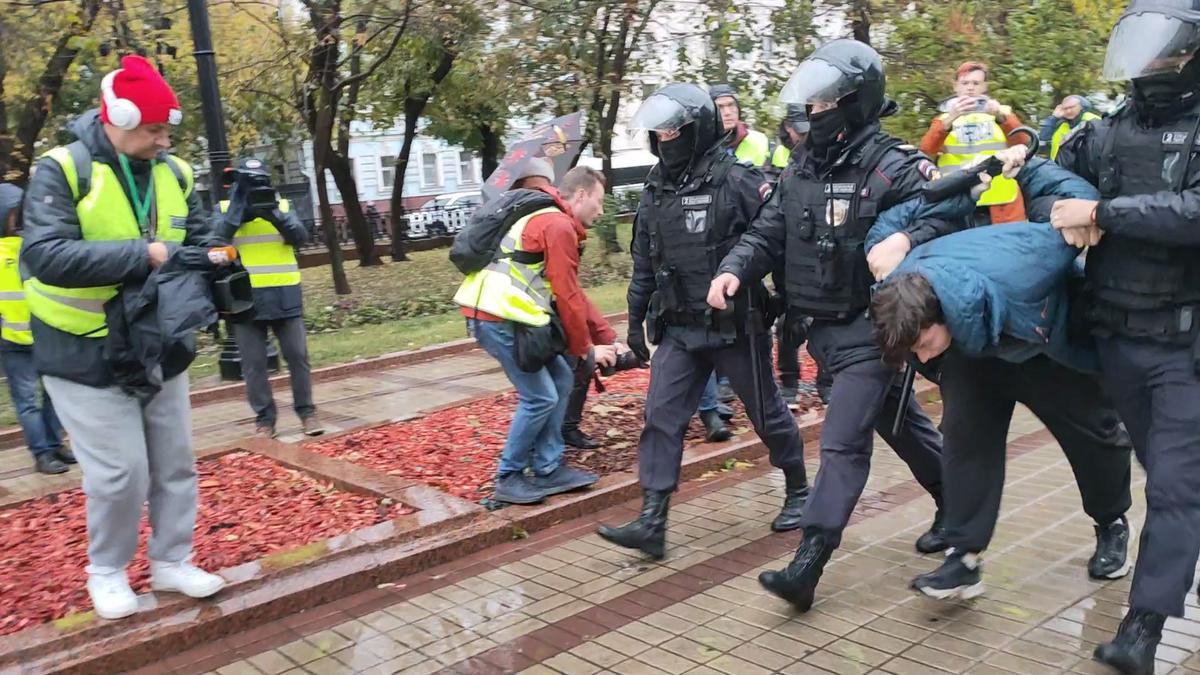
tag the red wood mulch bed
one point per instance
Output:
(250, 507)
(456, 450)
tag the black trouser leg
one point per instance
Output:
(778, 428)
(1157, 392)
(677, 379)
(919, 443)
(976, 413)
(579, 393)
(1082, 419)
(788, 360)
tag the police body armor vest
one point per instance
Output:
(269, 259)
(827, 220)
(1142, 288)
(691, 231)
(105, 214)
(14, 313)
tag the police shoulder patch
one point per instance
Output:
(764, 191)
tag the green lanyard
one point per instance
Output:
(141, 207)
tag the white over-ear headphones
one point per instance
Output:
(122, 113)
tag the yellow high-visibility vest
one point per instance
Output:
(972, 135)
(1065, 128)
(105, 214)
(14, 313)
(781, 156)
(516, 291)
(269, 259)
(754, 148)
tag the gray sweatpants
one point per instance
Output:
(132, 454)
(251, 340)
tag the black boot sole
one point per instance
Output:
(801, 598)
(1118, 659)
(655, 549)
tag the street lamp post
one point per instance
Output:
(229, 362)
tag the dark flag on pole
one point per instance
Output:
(560, 140)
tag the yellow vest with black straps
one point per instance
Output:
(14, 313)
(269, 259)
(105, 214)
(1065, 128)
(508, 289)
(972, 135)
(754, 148)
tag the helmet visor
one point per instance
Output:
(1148, 44)
(660, 114)
(817, 81)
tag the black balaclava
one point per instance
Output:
(677, 153)
(826, 132)
(1161, 99)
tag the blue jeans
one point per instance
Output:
(708, 400)
(43, 431)
(535, 436)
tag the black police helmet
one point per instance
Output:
(847, 72)
(675, 106)
(1153, 38)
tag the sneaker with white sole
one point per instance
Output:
(1111, 559)
(958, 577)
(184, 577)
(111, 595)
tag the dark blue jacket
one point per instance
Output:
(1003, 288)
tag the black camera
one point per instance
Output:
(626, 361)
(253, 186)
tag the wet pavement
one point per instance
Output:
(564, 601)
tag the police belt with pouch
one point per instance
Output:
(729, 323)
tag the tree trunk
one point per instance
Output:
(414, 106)
(411, 114)
(489, 149)
(343, 176)
(16, 151)
(341, 285)
(861, 23)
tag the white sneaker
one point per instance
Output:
(111, 595)
(184, 577)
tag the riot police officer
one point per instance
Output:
(815, 224)
(1143, 271)
(696, 202)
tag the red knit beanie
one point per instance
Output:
(139, 83)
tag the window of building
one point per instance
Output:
(429, 169)
(387, 174)
(467, 172)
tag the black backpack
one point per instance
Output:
(477, 244)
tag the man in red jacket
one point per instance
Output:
(535, 436)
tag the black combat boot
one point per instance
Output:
(648, 532)
(934, 540)
(1132, 651)
(794, 496)
(798, 582)
(715, 426)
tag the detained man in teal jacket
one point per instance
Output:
(987, 308)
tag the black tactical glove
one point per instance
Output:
(637, 342)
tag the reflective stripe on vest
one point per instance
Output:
(753, 148)
(508, 289)
(105, 214)
(269, 259)
(14, 313)
(970, 136)
(1060, 134)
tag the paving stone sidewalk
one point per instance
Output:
(564, 601)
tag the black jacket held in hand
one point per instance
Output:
(55, 252)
